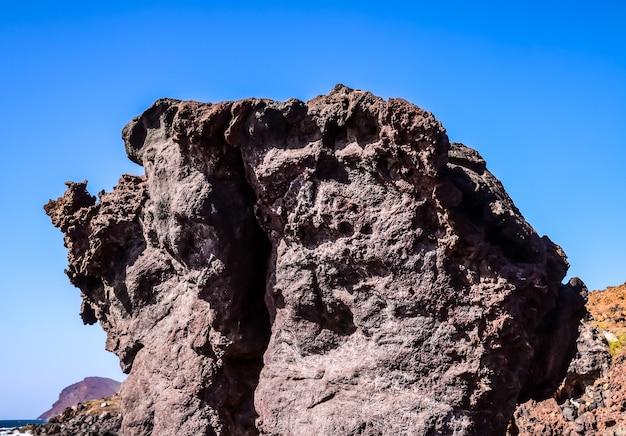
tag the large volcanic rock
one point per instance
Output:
(329, 267)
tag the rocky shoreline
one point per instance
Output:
(93, 418)
(90, 388)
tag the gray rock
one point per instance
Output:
(329, 267)
(592, 361)
(569, 414)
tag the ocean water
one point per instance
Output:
(7, 427)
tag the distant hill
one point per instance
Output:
(91, 388)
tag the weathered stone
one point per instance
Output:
(329, 267)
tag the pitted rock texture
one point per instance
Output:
(329, 267)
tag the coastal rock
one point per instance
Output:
(328, 267)
(92, 418)
(91, 388)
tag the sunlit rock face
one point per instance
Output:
(328, 267)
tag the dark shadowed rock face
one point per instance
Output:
(329, 267)
(592, 398)
(91, 388)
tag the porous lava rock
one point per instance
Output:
(328, 267)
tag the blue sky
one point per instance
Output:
(539, 90)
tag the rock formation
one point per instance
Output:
(91, 388)
(329, 267)
(592, 398)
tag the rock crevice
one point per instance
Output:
(328, 267)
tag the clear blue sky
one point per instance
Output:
(538, 89)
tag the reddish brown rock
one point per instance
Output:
(592, 398)
(598, 409)
(329, 267)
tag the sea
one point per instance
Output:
(7, 428)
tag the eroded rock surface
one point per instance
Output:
(329, 267)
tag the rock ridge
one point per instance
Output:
(328, 267)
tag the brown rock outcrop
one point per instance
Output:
(609, 315)
(572, 409)
(600, 409)
(592, 398)
(91, 388)
(329, 267)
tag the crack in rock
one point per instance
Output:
(274, 252)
